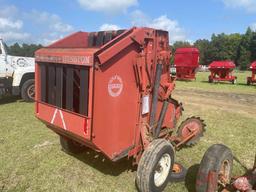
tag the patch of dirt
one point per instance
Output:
(234, 102)
(44, 144)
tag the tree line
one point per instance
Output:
(25, 50)
(240, 48)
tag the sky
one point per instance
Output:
(45, 21)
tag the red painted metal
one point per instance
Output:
(186, 62)
(121, 79)
(222, 71)
(252, 79)
(211, 180)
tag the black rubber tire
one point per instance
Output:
(179, 177)
(24, 90)
(70, 146)
(148, 164)
(212, 161)
(210, 80)
(249, 81)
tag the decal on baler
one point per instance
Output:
(115, 86)
(57, 111)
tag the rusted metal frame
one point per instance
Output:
(143, 76)
(158, 74)
(184, 140)
(123, 154)
(161, 119)
(141, 71)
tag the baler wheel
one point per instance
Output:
(218, 159)
(190, 125)
(70, 146)
(179, 173)
(155, 166)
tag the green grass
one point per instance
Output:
(202, 77)
(31, 158)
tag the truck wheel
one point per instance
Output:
(155, 167)
(70, 146)
(28, 90)
(218, 158)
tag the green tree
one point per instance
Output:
(244, 54)
(26, 50)
(180, 44)
(203, 45)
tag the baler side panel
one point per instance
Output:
(116, 104)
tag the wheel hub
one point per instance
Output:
(162, 170)
(224, 174)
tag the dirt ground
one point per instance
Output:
(233, 102)
(31, 158)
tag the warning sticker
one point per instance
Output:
(115, 86)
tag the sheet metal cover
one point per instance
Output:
(66, 56)
(222, 64)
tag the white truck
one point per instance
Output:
(16, 75)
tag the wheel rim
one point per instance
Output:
(176, 168)
(224, 174)
(31, 91)
(162, 170)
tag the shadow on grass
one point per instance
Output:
(220, 83)
(104, 165)
(8, 99)
(190, 181)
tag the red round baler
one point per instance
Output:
(252, 79)
(222, 71)
(186, 61)
(111, 91)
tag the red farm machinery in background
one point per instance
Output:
(252, 79)
(186, 62)
(112, 91)
(222, 71)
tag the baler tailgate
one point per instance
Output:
(64, 120)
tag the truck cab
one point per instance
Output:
(16, 74)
